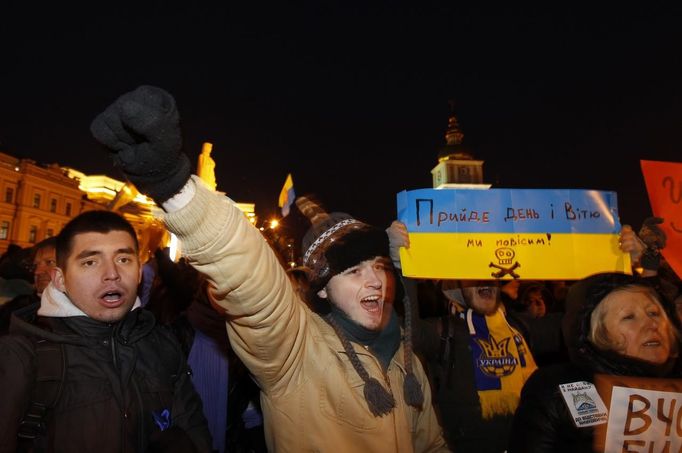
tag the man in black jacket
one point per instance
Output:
(44, 260)
(119, 382)
(476, 359)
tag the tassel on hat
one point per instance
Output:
(379, 400)
(413, 391)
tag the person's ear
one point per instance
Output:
(57, 276)
(322, 294)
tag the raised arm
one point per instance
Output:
(266, 320)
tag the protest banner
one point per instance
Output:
(510, 233)
(645, 415)
(664, 186)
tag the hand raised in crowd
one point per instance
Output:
(654, 239)
(142, 131)
(397, 237)
(630, 243)
(651, 233)
(644, 248)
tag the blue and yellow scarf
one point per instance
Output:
(501, 359)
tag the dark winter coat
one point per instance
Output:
(443, 345)
(543, 422)
(118, 377)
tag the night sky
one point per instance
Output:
(353, 99)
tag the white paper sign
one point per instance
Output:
(585, 404)
(644, 421)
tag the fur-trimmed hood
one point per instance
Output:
(583, 297)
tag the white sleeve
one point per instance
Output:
(180, 199)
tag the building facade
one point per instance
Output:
(36, 201)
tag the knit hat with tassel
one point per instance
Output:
(336, 242)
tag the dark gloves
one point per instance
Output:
(142, 131)
(655, 239)
(651, 234)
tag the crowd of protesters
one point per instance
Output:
(226, 351)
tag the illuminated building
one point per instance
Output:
(457, 168)
(109, 193)
(36, 201)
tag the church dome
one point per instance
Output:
(454, 149)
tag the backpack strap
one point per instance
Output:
(50, 376)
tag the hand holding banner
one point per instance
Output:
(664, 185)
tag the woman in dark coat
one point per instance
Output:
(614, 325)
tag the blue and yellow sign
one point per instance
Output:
(510, 233)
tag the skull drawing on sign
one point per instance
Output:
(504, 255)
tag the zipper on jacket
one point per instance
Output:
(114, 356)
(141, 436)
(388, 381)
(125, 414)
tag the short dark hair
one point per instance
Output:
(46, 243)
(50, 242)
(91, 222)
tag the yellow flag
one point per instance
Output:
(287, 195)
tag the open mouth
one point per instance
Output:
(371, 303)
(485, 292)
(652, 343)
(112, 298)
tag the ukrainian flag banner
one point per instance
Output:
(287, 195)
(510, 233)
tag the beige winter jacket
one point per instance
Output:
(312, 397)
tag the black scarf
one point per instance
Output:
(382, 344)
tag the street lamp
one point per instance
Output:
(271, 224)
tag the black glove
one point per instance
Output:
(651, 234)
(655, 239)
(142, 131)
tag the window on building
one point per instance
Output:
(32, 234)
(53, 205)
(68, 208)
(4, 229)
(36, 200)
(50, 233)
(9, 195)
